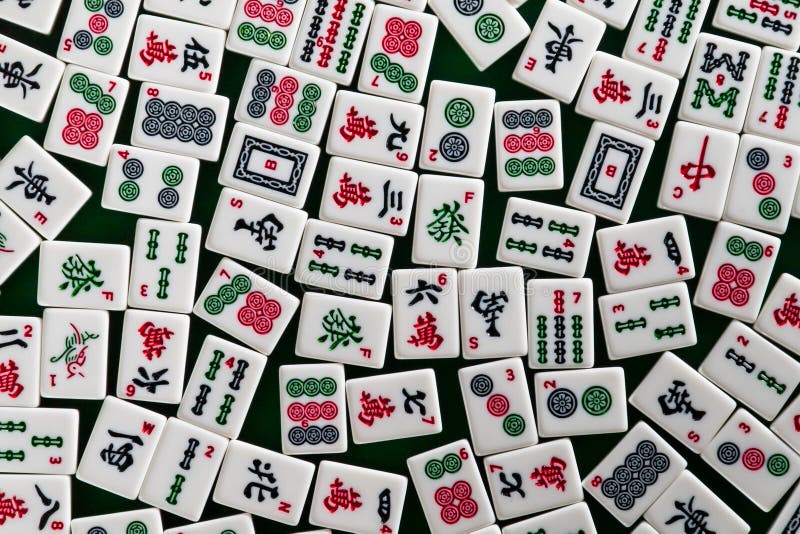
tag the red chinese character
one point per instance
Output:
(372, 409)
(790, 313)
(351, 193)
(357, 126)
(153, 341)
(610, 89)
(157, 50)
(551, 475)
(8, 379)
(11, 508)
(628, 257)
(341, 498)
(426, 335)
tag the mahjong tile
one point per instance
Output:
(779, 319)
(266, 29)
(776, 27)
(36, 16)
(216, 13)
(20, 352)
(787, 425)
(36, 503)
(236, 524)
(41, 441)
(773, 105)
(17, 242)
(616, 14)
(575, 517)
(491, 529)
(789, 517)
(415, 5)
(644, 528)
(30, 76)
(144, 520)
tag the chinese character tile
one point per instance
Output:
(150, 183)
(719, 82)
(369, 196)
(312, 404)
(264, 483)
(181, 121)
(30, 77)
(576, 516)
(545, 237)
(256, 230)
(344, 330)
(633, 475)
(17, 242)
(450, 489)
(753, 460)
(285, 101)
(524, 127)
(216, 13)
(269, 165)
(787, 519)
(646, 253)
(414, 5)
(221, 386)
(236, 524)
(787, 425)
(773, 105)
(36, 503)
(246, 306)
(496, 399)
(447, 225)
(610, 172)
(736, 272)
(779, 319)
(357, 499)
(424, 303)
(120, 447)
(152, 357)
(144, 520)
(698, 170)
(398, 53)
(558, 51)
(335, 56)
(683, 402)
(264, 30)
(458, 121)
(74, 353)
(644, 528)
(183, 469)
(41, 441)
(36, 16)
(393, 406)
(616, 14)
(648, 320)
(344, 259)
(627, 94)
(20, 353)
(777, 25)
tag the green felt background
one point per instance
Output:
(18, 295)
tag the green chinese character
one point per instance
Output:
(339, 329)
(80, 275)
(447, 224)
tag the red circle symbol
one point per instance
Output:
(279, 116)
(98, 23)
(93, 122)
(268, 12)
(468, 508)
(497, 405)
(443, 496)
(329, 410)
(391, 44)
(296, 411)
(284, 17)
(252, 8)
(726, 273)
(289, 84)
(413, 30)
(76, 117)
(512, 143)
(395, 26)
(753, 459)
(450, 514)
(71, 135)
(312, 411)
(89, 140)
(763, 183)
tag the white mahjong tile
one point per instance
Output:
(777, 26)
(237, 524)
(20, 353)
(266, 29)
(775, 100)
(779, 319)
(41, 441)
(144, 520)
(788, 519)
(616, 14)
(36, 16)
(17, 242)
(36, 503)
(30, 76)
(787, 425)
(216, 13)
(575, 516)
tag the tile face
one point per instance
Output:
(633, 475)
(773, 106)
(485, 31)
(239, 524)
(348, 497)
(627, 94)
(150, 183)
(74, 353)
(447, 227)
(498, 406)
(492, 312)
(649, 320)
(683, 402)
(17, 243)
(425, 302)
(719, 82)
(20, 352)
(576, 516)
(375, 129)
(777, 27)
(120, 447)
(546, 237)
(148, 519)
(31, 76)
(528, 137)
(341, 329)
(763, 185)
(269, 165)
(192, 60)
(38, 503)
(313, 418)
(369, 196)
(164, 267)
(343, 259)
(644, 528)
(329, 57)
(398, 53)
(616, 14)
(285, 101)
(375, 410)
(784, 425)
(221, 387)
(559, 50)
(265, 30)
(42, 441)
(83, 275)
(698, 171)
(610, 172)
(687, 497)
(39, 189)
(753, 460)
(560, 323)
(216, 13)
(647, 253)
(450, 489)
(183, 469)
(458, 121)
(788, 518)
(38, 17)
(246, 306)
(753, 370)
(256, 230)
(653, 41)
(778, 319)
(736, 273)
(263, 483)
(179, 121)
